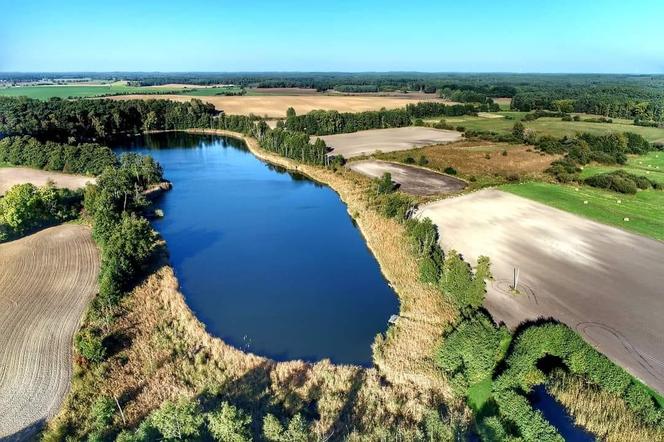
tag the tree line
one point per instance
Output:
(86, 158)
(321, 122)
(611, 101)
(98, 120)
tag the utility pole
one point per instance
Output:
(516, 278)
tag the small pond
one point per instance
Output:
(269, 261)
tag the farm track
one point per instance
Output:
(46, 281)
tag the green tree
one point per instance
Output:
(296, 431)
(181, 420)
(229, 424)
(21, 208)
(518, 130)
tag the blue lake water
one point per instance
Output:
(269, 261)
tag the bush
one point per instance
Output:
(564, 171)
(384, 184)
(465, 288)
(471, 351)
(395, 205)
(450, 170)
(101, 412)
(422, 161)
(621, 181)
(89, 345)
(409, 160)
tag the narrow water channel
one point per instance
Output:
(268, 260)
(554, 412)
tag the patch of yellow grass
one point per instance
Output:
(604, 414)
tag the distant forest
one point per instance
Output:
(639, 97)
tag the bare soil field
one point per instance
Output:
(481, 158)
(367, 142)
(46, 280)
(10, 176)
(411, 179)
(601, 281)
(275, 106)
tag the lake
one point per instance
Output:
(269, 261)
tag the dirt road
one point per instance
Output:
(605, 283)
(10, 176)
(367, 142)
(46, 280)
(411, 179)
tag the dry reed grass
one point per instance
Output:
(604, 414)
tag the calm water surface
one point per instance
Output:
(270, 261)
(557, 415)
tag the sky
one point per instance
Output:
(612, 36)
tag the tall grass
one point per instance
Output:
(604, 414)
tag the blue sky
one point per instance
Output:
(336, 35)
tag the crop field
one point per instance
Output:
(552, 126)
(650, 166)
(10, 176)
(595, 278)
(642, 213)
(275, 106)
(79, 91)
(484, 162)
(366, 142)
(46, 281)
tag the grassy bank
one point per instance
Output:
(161, 352)
(642, 213)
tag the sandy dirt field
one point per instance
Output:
(10, 176)
(411, 179)
(276, 106)
(367, 142)
(46, 280)
(605, 283)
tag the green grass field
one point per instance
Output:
(79, 91)
(650, 165)
(553, 126)
(645, 210)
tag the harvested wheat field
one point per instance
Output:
(10, 176)
(275, 106)
(366, 142)
(46, 280)
(604, 282)
(411, 179)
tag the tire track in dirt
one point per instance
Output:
(46, 281)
